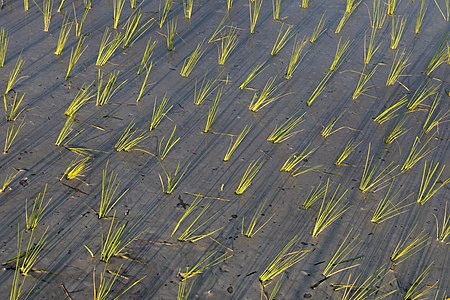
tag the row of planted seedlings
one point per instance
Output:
(128, 141)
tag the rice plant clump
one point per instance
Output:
(284, 260)
(14, 74)
(4, 40)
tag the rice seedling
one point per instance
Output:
(88, 4)
(4, 40)
(13, 75)
(444, 12)
(11, 133)
(82, 151)
(341, 256)
(391, 205)
(106, 91)
(147, 55)
(12, 109)
(298, 172)
(408, 246)
(439, 57)
(276, 7)
(207, 87)
(220, 27)
(133, 4)
(32, 253)
(66, 131)
(268, 95)
(254, 9)
(25, 5)
(116, 240)
(283, 261)
(173, 179)
(429, 181)
(188, 5)
(194, 58)
(392, 5)
(331, 211)
(370, 286)
(212, 113)
(103, 288)
(131, 138)
(285, 131)
(416, 154)
(349, 149)
(350, 8)
(37, 212)
(258, 69)
(397, 131)
(228, 43)
(391, 112)
(17, 284)
(361, 87)
(420, 17)
(79, 25)
(371, 179)
(296, 158)
(171, 31)
(399, 65)
(203, 265)
(144, 82)
(8, 179)
(433, 120)
(318, 30)
(397, 28)
(188, 211)
(340, 55)
(83, 96)
(108, 47)
(443, 296)
(46, 11)
(190, 234)
(282, 39)
(117, 11)
(60, 5)
(252, 170)
(132, 31)
(320, 88)
(229, 4)
(183, 291)
(164, 12)
(328, 130)
(159, 112)
(77, 168)
(275, 290)
(252, 228)
(423, 92)
(63, 35)
(110, 186)
(315, 194)
(294, 60)
(444, 232)
(75, 55)
(305, 4)
(233, 145)
(369, 47)
(349, 5)
(171, 142)
(378, 15)
(448, 58)
(417, 291)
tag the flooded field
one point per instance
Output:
(224, 149)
